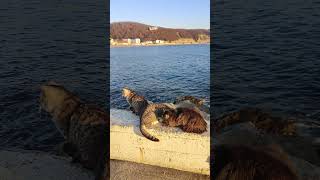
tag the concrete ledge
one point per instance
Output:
(176, 149)
(125, 170)
(25, 165)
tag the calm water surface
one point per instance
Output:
(160, 73)
(267, 54)
(39, 41)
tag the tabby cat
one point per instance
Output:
(136, 102)
(194, 102)
(188, 119)
(83, 126)
(150, 117)
(262, 120)
(239, 162)
(198, 102)
(148, 113)
(186, 115)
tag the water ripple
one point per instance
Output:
(43, 41)
(160, 73)
(267, 54)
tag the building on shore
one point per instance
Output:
(184, 41)
(136, 41)
(147, 42)
(203, 38)
(153, 28)
(112, 42)
(127, 41)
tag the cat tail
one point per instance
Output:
(146, 134)
(151, 108)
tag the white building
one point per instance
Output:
(148, 42)
(136, 41)
(153, 28)
(127, 40)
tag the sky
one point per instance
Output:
(190, 14)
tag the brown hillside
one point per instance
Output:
(120, 30)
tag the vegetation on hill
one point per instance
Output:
(121, 30)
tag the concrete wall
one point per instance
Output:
(176, 149)
(31, 165)
(125, 170)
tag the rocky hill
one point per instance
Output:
(121, 30)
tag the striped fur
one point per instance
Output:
(149, 118)
(83, 126)
(261, 119)
(187, 118)
(192, 99)
(147, 112)
(239, 162)
(192, 102)
(137, 102)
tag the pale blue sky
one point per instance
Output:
(191, 14)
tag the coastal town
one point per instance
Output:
(202, 39)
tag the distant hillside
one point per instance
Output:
(120, 30)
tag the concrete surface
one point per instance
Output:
(30, 165)
(176, 149)
(299, 149)
(124, 170)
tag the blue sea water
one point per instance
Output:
(47, 40)
(160, 73)
(266, 54)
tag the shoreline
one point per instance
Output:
(163, 44)
(20, 164)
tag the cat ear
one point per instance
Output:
(201, 102)
(51, 82)
(125, 91)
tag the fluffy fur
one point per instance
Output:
(186, 115)
(192, 102)
(136, 102)
(248, 163)
(150, 118)
(147, 112)
(261, 120)
(83, 126)
(187, 119)
(192, 99)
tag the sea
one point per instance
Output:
(64, 41)
(266, 54)
(160, 73)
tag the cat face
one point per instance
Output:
(52, 97)
(59, 103)
(169, 118)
